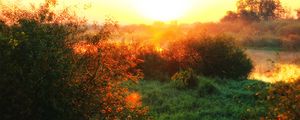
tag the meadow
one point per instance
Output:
(223, 99)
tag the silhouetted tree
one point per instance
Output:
(230, 16)
(298, 13)
(265, 9)
(248, 16)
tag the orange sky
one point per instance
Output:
(147, 11)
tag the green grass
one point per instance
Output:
(212, 99)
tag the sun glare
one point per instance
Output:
(162, 10)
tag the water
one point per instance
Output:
(273, 66)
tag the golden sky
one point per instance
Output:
(147, 11)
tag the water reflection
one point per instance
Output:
(273, 66)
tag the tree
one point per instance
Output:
(265, 9)
(298, 14)
(230, 16)
(248, 16)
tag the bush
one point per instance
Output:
(153, 66)
(184, 79)
(158, 65)
(283, 100)
(220, 56)
(35, 72)
(47, 73)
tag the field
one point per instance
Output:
(214, 98)
(210, 100)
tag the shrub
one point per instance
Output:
(283, 101)
(184, 79)
(35, 72)
(153, 66)
(47, 73)
(220, 56)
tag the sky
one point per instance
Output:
(148, 11)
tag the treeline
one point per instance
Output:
(255, 24)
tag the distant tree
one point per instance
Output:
(248, 16)
(230, 16)
(298, 13)
(243, 15)
(265, 9)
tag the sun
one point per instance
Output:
(162, 10)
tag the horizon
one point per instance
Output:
(149, 59)
(128, 12)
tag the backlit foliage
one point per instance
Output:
(219, 57)
(184, 79)
(103, 73)
(53, 68)
(282, 100)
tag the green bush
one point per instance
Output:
(35, 72)
(219, 56)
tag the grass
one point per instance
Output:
(212, 99)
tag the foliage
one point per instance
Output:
(153, 66)
(35, 72)
(106, 71)
(230, 16)
(263, 9)
(298, 14)
(184, 79)
(220, 56)
(283, 100)
(48, 72)
(256, 10)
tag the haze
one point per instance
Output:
(135, 11)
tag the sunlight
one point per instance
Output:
(159, 49)
(133, 100)
(281, 72)
(83, 48)
(162, 10)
